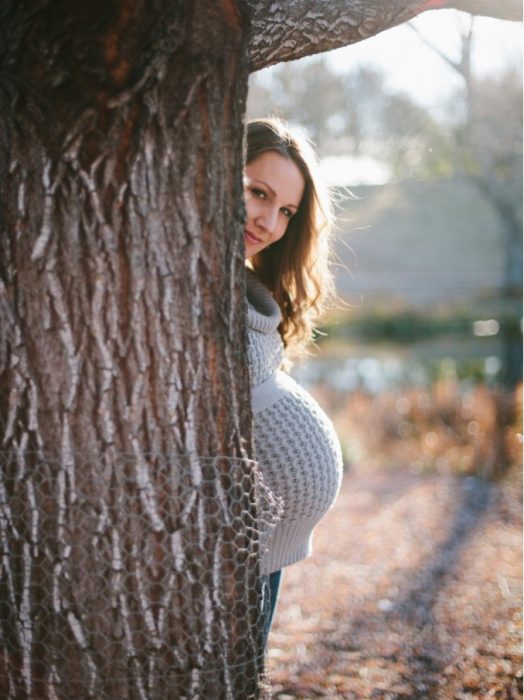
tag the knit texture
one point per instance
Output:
(295, 443)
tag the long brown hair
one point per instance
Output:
(296, 268)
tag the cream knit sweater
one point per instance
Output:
(295, 443)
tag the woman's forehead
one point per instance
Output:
(281, 174)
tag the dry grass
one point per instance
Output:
(445, 429)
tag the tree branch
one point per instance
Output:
(463, 66)
(285, 31)
(447, 59)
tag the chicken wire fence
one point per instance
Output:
(132, 576)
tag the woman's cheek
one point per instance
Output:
(251, 205)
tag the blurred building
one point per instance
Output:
(419, 244)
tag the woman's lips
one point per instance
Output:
(251, 237)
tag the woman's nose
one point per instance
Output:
(268, 220)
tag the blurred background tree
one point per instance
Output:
(455, 170)
(355, 113)
(488, 144)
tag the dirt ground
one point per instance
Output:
(414, 591)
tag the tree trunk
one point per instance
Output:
(122, 336)
(130, 514)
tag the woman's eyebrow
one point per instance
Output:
(263, 182)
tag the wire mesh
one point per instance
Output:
(132, 576)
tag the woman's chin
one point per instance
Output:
(250, 249)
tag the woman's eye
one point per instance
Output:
(258, 193)
(287, 212)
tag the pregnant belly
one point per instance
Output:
(298, 452)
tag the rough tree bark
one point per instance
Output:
(298, 28)
(122, 377)
(122, 329)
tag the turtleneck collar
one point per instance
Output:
(263, 312)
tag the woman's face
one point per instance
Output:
(274, 188)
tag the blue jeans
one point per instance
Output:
(271, 588)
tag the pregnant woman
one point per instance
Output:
(288, 283)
